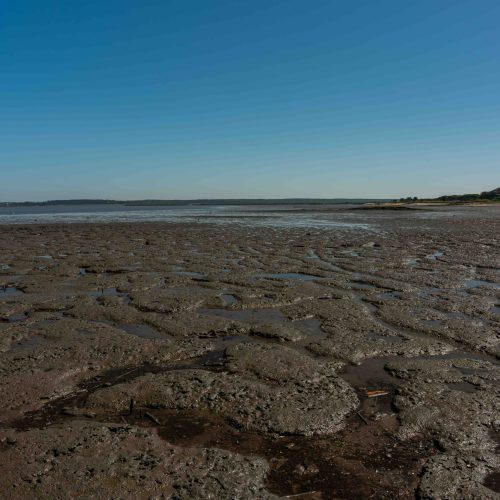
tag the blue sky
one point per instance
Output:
(186, 99)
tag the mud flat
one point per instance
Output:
(202, 360)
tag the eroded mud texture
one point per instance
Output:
(157, 360)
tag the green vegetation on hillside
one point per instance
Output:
(493, 195)
(486, 196)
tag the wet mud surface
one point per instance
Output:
(208, 361)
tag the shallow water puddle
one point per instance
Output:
(190, 274)
(179, 271)
(435, 255)
(392, 339)
(287, 276)
(391, 296)
(312, 327)
(256, 316)
(456, 315)
(217, 356)
(312, 254)
(142, 331)
(351, 253)
(363, 285)
(9, 291)
(411, 261)
(463, 387)
(198, 252)
(109, 292)
(135, 266)
(431, 322)
(492, 481)
(183, 290)
(27, 343)
(431, 292)
(481, 283)
(228, 299)
(112, 291)
(18, 317)
(370, 375)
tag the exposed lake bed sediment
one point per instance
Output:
(239, 360)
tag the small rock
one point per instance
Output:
(300, 470)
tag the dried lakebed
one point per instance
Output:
(160, 360)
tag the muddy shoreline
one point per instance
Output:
(237, 361)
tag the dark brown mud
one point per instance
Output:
(492, 482)
(364, 460)
(402, 314)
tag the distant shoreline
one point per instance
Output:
(200, 202)
(486, 198)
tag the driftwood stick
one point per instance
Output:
(152, 417)
(301, 494)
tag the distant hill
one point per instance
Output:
(59, 202)
(199, 202)
(494, 194)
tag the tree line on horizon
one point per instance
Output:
(493, 195)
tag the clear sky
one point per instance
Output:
(263, 98)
